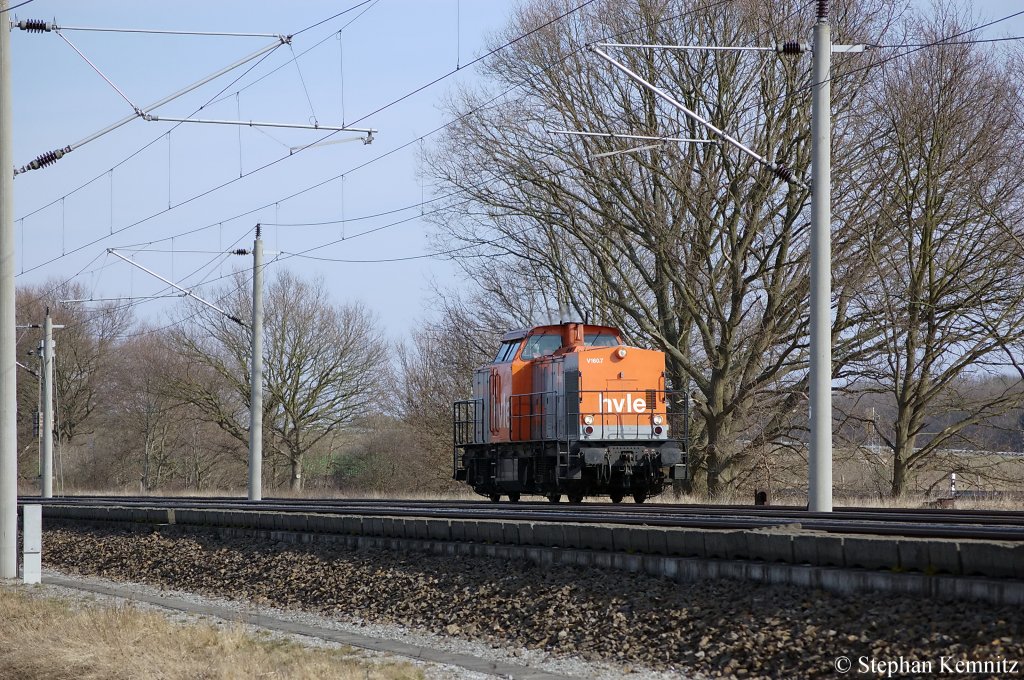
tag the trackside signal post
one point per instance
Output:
(819, 470)
(47, 353)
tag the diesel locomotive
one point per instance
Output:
(570, 409)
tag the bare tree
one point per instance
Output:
(942, 240)
(322, 366)
(433, 370)
(148, 427)
(86, 351)
(693, 248)
(141, 412)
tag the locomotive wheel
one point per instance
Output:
(554, 497)
(495, 497)
(616, 498)
(513, 498)
(639, 496)
(575, 498)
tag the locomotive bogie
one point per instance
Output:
(614, 470)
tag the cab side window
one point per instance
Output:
(510, 353)
(507, 351)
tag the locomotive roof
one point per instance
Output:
(520, 333)
(516, 334)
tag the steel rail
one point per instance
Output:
(293, 504)
(990, 525)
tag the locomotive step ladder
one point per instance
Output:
(561, 463)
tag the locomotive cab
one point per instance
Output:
(570, 409)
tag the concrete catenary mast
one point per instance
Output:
(819, 471)
(8, 386)
(256, 379)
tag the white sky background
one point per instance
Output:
(394, 48)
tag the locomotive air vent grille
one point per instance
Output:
(652, 399)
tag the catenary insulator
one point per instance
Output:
(35, 25)
(822, 9)
(240, 251)
(783, 172)
(48, 158)
(790, 47)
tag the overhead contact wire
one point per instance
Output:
(418, 140)
(210, 102)
(276, 161)
(514, 41)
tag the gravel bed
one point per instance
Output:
(570, 620)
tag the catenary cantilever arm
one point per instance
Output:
(174, 285)
(780, 169)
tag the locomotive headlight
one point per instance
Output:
(657, 420)
(589, 420)
(621, 352)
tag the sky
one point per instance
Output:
(366, 59)
(175, 198)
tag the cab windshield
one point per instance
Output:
(540, 346)
(600, 340)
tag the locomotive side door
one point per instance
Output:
(494, 402)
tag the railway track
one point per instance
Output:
(912, 523)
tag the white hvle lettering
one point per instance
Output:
(628, 403)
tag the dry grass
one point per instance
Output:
(862, 477)
(42, 637)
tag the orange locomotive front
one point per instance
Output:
(569, 409)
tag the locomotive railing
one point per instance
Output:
(467, 428)
(613, 414)
(629, 414)
(548, 416)
(538, 416)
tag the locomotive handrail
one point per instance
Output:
(621, 420)
(627, 421)
(627, 415)
(467, 415)
(518, 416)
(618, 415)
